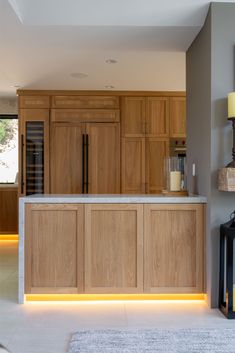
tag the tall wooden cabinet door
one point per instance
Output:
(66, 158)
(54, 248)
(157, 149)
(133, 116)
(178, 117)
(103, 158)
(113, 248)
(157, 117)
(133, 165)
(33, 151)
(173, 248)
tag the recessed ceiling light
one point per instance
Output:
(111, 61)
(109, 87)
(16, 85)
(78, 75)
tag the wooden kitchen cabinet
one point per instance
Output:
(54, 248)
(133, 116)
(113, 248)
(157, 117)
(173, 248)
(177, 117)
(157, 149)
(85, 102)
(66, 158)
(34, 102)
(33, 151)
(103, 158)
(133, 165)
(9, 209)
(92, 167)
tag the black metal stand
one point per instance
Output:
(227, 236)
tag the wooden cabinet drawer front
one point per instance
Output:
(34, 102)
(86, 102)
(84, 115)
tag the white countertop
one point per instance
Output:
(118, 198)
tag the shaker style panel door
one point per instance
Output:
(66, 158)
(133, 116)
(33, 151)
(113, 248)
(103, 155)
(133, 165)
(157, 149)
(157, 117)
(173, 243)
(54, 248)
(178, 117)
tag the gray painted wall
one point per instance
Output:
(198, 88)
(210, 77)
(8, 105)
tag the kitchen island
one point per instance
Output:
(76, 245)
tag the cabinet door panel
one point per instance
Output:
(133, 116)
(173, 243)
(133, 165)
(157, 149)
(103, 158)
(54, 248)
(157, 118)
(178, 117)
(114, 248)
(66, 158)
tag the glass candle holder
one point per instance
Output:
(175, 173)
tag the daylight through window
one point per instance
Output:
(8, 148)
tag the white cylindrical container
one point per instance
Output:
(175, 181)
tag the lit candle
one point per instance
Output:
(175, 181)
(231, 105)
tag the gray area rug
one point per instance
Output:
(154, 340)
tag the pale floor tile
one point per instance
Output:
(47, 328)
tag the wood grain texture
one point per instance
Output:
(36, 102)
(85, 102)
(103, 158)
(157, 117)
(23, 92)
(133, 165)
(178, 117)
(66, 158)
(113, 248)
(9, 210)
(54, 248)
(173, 243)
(133, 116)
(85, 115)
(157, 149)
(27, 115)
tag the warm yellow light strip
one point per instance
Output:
(110, 297)
(9, 237)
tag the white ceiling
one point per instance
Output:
(44, 41)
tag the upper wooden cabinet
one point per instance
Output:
(157, 117)
(34, 102)
(177, 117)
(86, 102)
(173, 248)
(113, 248)
(54, 248)
(133, 116)
(85, 115)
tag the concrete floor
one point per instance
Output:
(47, 327)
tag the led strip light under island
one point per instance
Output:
(111, 247)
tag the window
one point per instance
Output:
(8, 148)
